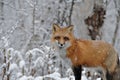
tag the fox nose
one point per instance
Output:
(61, 45)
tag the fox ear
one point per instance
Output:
(55, 27)
(70, 28)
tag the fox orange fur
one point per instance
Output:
(88, 53)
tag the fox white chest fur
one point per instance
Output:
(62, 52)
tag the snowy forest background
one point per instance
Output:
(25, 30)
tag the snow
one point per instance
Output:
(33, 51)
(69, 1)
(54, 75)
(23, 78)
(19, 74)
(99, 79)
(5, 40)
(22, 64)
(39, 78)
(39, 62)
(84, 77)
(12, 67)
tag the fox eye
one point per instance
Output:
(57, 37)
(66, 38)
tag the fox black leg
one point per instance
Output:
(109, 76)
(77, 72)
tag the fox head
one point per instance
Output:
(62, 37)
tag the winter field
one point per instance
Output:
(26, 52)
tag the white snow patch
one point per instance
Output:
(39, 62)
(84, 77)
(39, 78)
(54, 75)
(23, 78)
(12, 67)
(22, 64)
(19, 74)
(6, 42)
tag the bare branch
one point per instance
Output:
(71, 10)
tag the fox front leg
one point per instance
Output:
(109, 76)
(77, 72)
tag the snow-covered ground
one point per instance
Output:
(18, 68)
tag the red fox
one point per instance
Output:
(88, 53)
